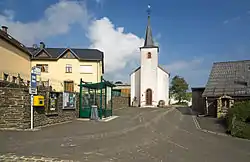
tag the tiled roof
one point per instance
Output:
(55, 53)
(14, 42)
(229, 78)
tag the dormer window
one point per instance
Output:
(149, 55)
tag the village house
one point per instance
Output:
(228, 82)
(15, 59)
(121, 89)
(61, 68)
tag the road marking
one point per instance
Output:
(197, 125)
(120, 108)
(176, 144)
(109, 118)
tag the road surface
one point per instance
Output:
(137, 135)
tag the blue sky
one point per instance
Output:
(192, 34)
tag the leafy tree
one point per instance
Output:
(118, 82)
(179, 88)
(188, 96)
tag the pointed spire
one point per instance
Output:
(149, 37)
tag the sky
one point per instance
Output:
(191, 34)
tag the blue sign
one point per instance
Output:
(33, 80)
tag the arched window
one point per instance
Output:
(149, 55)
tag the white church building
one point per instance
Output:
(149, 82)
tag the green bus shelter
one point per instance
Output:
(97, 94)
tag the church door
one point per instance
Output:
(148, 97)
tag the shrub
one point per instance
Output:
(238, 119)
(181, 103)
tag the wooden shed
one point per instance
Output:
(198, 102)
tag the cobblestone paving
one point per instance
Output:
(14, 158)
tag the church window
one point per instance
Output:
(149, 55)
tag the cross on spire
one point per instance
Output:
(149, 10)
(149, 38)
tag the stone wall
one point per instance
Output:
(12, 103)
(15, 110)
(121, 102)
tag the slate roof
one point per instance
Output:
(55, 53)
(229, 78)
(14, 42)
(158, 67)
(149, 41)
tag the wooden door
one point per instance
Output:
(148, 97)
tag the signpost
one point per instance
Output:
(32, 92)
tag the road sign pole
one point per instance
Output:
(31, 111)
(33, 90)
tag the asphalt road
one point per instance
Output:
(138, 134)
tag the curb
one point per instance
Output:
(197, 125)
(102, 120)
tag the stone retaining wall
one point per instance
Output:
(15, 110)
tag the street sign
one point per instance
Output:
(33, 83)
(33, 80)
(37, 71)
(33, 91)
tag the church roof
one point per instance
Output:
(149, 42)
(158, 67)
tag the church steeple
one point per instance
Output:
(149, 42)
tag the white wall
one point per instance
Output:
(149, 74)
(135, 86)
(163, 86)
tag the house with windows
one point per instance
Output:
(15, 62)
(62, 68)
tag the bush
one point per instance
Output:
(238, 120)
(181, 103)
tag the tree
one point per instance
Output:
(118, 82)
(179, 88)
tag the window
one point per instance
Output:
(14, 79)
(68, 68)
(87, 69)
(28, 82)
(5, 77)
(68, 86)
(149, 55)
(43, 67)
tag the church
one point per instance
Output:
(149, 82)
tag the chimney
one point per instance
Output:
(42, 45)
(5, 29)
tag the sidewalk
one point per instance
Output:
(212, 124)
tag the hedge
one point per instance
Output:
(238, 120)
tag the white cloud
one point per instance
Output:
(232, 19)
(189, 69)
(120, 48)
(57, 20)
(183, 65)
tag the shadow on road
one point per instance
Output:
(213, 124)
(184, 110)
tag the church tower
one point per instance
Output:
(149, 68)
